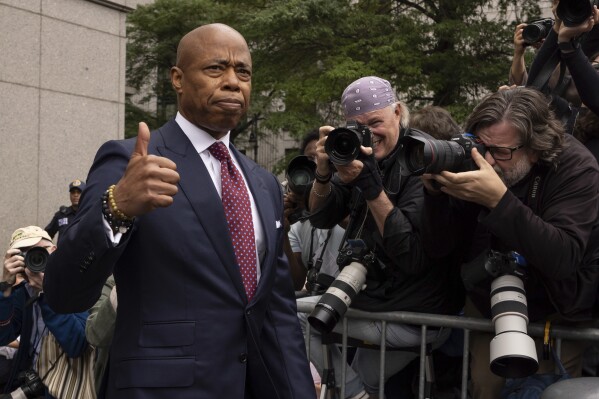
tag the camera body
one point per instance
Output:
(575, 12)
(36, 259)
(536, 31)
(424, 154)
(499, 263)
(343, 143)
(353, 261)
(31, 386)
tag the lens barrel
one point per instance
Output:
(300, 174)
(419, 155)
(343, 145)
(512, 352)
(334, 302)
(574, 12)
(36, 259)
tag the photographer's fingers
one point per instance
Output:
(322, 158)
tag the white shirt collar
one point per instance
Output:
(200, 139)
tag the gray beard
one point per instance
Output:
(515, 174)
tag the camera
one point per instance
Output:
(536, 31)
(36, 259)
(353, 261)
(574, 12)
(317, 283)
(424, 154)
(343, 143)
(300, 174)
(512, 351)
(31, 386)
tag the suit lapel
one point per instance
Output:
(198, 188)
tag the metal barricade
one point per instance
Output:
(425, 320)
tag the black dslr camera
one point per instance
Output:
(300, 173)
(575, 12)
(36, 259)
(424, 154)
(343, 143)
(31, 386)
(536, 31)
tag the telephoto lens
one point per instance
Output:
(512, 353)
(424, 154)
(334, 302)
(351, 280)
(300, 174)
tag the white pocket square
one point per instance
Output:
(278, 224)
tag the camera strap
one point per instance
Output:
(318, 262)
(542, 79)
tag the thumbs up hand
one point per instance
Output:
(149, 181)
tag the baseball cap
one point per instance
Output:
(367, 94)
(78, 184)
(28, 236)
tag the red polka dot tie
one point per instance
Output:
(238, 212)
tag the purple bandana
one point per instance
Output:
(367, 94)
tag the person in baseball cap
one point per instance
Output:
(28, 237)
(77, 185)
(26, 313)
(65, 214)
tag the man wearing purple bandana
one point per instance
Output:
(387, 218)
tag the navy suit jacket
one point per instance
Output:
(184, 328)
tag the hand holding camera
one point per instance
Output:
(350, 149)
(14, 263)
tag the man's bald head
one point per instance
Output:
(193, 41)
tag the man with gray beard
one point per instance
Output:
(534, 196)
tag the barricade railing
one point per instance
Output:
(425, 320)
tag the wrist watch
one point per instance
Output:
(569, 46)
(4, 285)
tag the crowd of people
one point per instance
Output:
(178, 264)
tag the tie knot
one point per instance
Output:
(219, 151)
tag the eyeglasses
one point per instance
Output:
(502, 153)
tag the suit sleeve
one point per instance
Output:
(77, 270)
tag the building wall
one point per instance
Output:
(62, 90)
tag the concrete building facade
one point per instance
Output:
(62, 91)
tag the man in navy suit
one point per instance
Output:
(152, 215)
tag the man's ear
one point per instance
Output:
(177, 78)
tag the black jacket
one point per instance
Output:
(559, 239)
(404, 278)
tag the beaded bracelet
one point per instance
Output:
(322, 179)
(119, 214)
(117, 223)
(322, 195)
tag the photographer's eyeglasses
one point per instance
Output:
(502, 153)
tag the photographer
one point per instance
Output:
(25, 312)
(536, 192)
(573, 46)
(385, 213)
(315, 250)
